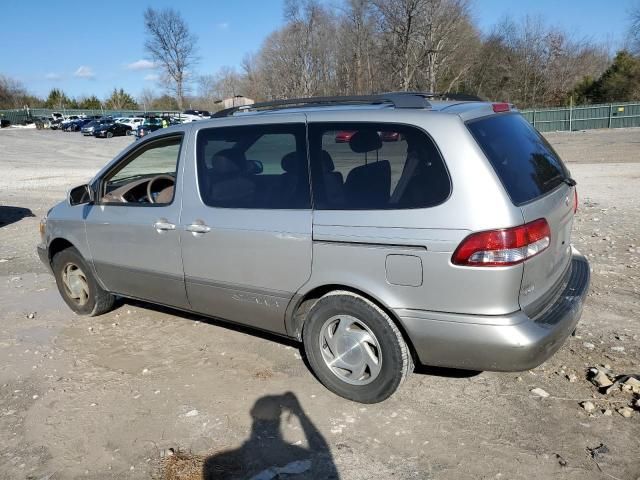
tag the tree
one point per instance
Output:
(120, 100)
(58, 99)
(619, 83)
(90, 103)
(172, 47)
(634, 29)
(14, 95)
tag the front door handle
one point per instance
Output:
(163, 225)
(198, 228)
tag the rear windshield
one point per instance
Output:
(525, 162)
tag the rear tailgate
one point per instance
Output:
(543, 274)
(536, 181)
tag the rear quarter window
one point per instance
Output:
(526, 164)
(375, 166)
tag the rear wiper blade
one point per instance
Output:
(570, 181)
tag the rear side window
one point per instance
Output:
(258, 166)
(375, 166)
(525, 162)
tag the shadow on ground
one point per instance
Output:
(272, 337)
(9, 215)
(265, 455)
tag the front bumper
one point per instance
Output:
(509, 343)
(43, 253)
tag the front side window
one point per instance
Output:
(375, 166)
(148, 176)
(258, 166)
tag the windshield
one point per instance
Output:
(525, 162)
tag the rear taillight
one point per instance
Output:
(507, 246)
(575, 200)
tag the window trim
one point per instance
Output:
(418, 128)
(304, 138)
(130, 157)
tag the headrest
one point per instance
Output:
(364, 141)
(229, 161)
(327, 162)
(289, 162)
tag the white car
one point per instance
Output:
(133, 122)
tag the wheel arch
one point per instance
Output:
(302, 302)
(57, 245)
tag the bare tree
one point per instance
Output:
(634, 28)
(172, 47)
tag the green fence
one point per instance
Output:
(585, 117)
(17, 117)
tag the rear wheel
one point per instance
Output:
(78, 286)
(354, 348)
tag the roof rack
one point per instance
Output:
(397, 99)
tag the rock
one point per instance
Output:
(191, 413)
(618, 348)
(589, 407)
(588, 345)
(540, 392)
(607, 412)
(572, 377)
(599, 379)
(626, 412)
(636, 403)
(31, 315)
(598, 451)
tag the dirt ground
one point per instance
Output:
(108, 397)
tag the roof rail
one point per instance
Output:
(397, 99)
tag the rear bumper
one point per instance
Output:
(512, 342)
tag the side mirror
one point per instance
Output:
(80, 195)
(254, 167)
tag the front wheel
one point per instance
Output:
(354, 348)
(77, 285)
(109, 135)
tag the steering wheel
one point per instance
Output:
(153, 181)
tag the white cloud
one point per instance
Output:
(84, 72)
(152, 77)
(52, 76)
(141, 65)
(223, 25)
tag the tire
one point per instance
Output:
(347, 330)
(84, 296)
(109, 135)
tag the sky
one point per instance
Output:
(88, 47)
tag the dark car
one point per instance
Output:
(109, 130)
(89, 128)
(149, 125)
(79, 124)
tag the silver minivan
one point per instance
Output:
(377, 230)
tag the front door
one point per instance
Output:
(246, 222)
(132, 229)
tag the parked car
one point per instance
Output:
(109, 130)
(344, 136)
(450, 246)
(194, 115)
(148, 126)
(133, 122)
(90, 127)
(79, 124)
